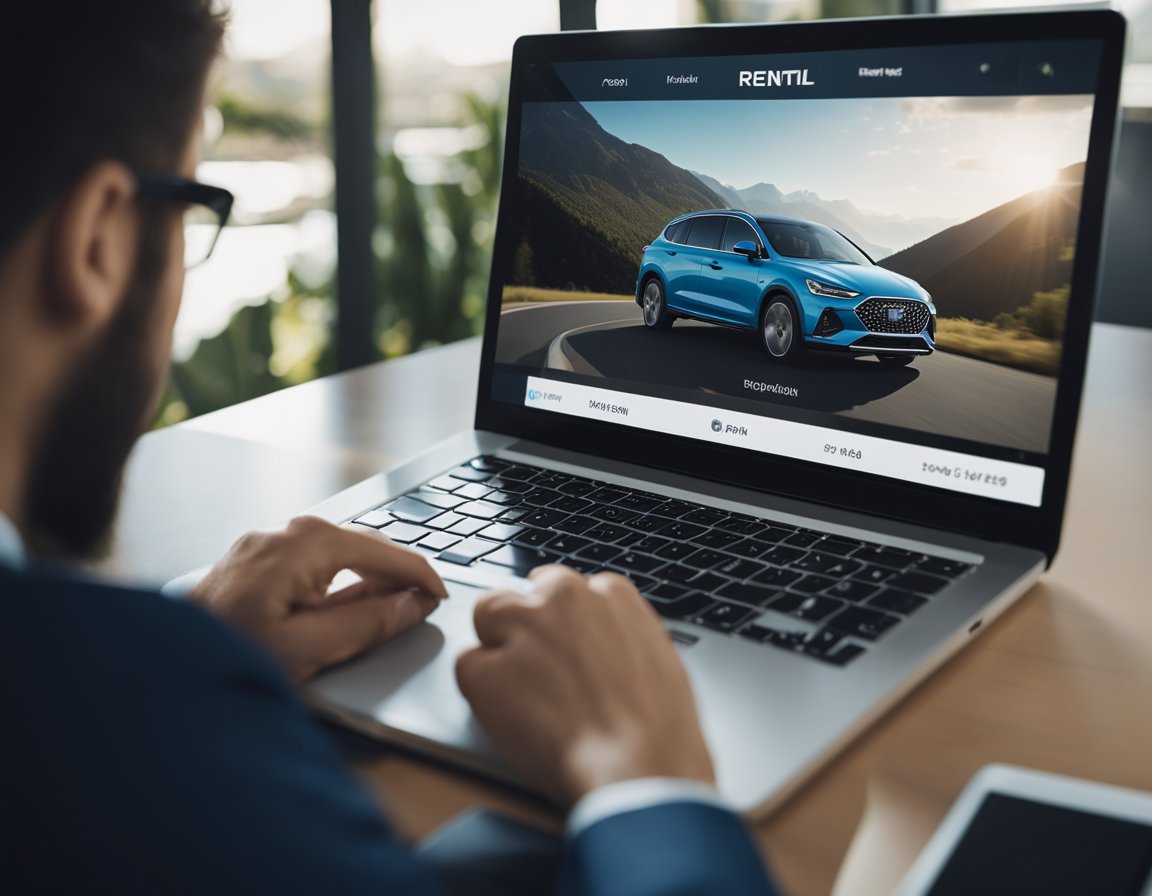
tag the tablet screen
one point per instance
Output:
(1016, 846)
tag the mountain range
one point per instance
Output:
(877, 234)
(995, 262)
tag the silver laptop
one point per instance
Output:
(788, 323)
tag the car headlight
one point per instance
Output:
(826, 289)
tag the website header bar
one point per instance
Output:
(1003, 69)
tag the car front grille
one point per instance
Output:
(874, 313)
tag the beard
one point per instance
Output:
(105, 406)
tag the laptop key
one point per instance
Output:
(755, 595)
(776, 577)
(852, 589)
(684, 607)
(444, 483)
(614, 514)
(918, 582)
(468, 526)
(704, 558)
(714, 538)
(470, 490)
(707, 582)
(437, 541)
(502, 497)
(466, 492)
(468, 550)
(674, 572)
(648, 523)
(404, 533)
(512, 486)
(823, 642)
(879, 555)
(902, 602)
(739, 526)
(810, 584)
(513, 514)
(501, 531)
(679, 530)
(724, 617)
(576, 488)
(548, 479)
(875, 575)
(375, 518)
(607, 495)
(827, 564)
(481, 510)
(568, 544)
(601, 553)
(802, 539)
(576, 524)
(814, 608)
(864, 623)
(704, 517)
(539, 497)
(412, 510)
(749, 547)
(606, 532)
(542, 518)
(664, 591)
(673, 508)
(568, 504)
(639, 503)
(632, 562)
(781, 555)
(446, 520)
(841, 547)
(736, 568)
(518, 472)
(534, 538)
(939, 566)
(650, 544)
(520, 559)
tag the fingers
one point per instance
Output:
(333, 634)
(333, 548)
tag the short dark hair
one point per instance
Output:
(86, 80)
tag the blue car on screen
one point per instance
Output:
(799, 284)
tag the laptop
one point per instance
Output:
(788, 323)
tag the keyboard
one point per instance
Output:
(794, 588)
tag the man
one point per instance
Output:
(147, 747)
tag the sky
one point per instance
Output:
(951, 157)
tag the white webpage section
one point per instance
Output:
(953, 470)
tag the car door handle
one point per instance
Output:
(669, 251)
(716, 266)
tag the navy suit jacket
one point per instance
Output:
(147, 748)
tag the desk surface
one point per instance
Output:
(1062, 682)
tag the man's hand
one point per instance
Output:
(274, 586)
(579, 685)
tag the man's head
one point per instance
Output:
(94, 92)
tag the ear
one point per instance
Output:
(92, 253)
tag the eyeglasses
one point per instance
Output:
(205, 216)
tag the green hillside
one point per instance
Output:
(587, 202)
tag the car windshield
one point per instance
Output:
(794, 239)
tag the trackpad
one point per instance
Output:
(410, 683)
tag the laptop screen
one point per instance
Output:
(857, 259)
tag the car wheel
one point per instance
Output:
(895, 360)
(779, 329)
(656, 315)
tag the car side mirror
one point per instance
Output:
(747, 248)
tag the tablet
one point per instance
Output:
(1015, 831)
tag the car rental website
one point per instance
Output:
(857, 258)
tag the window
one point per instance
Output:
(677, 232)
(706, 231)
(737, 230)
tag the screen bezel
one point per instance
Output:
(1037, 527)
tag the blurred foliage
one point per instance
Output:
(433, 245)
(249, 118)
(1031, 338)
(433, 251)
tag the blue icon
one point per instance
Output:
(535, 394)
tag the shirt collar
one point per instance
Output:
(11, 544)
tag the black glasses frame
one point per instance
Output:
(181, 189)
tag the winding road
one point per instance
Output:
(946, 394)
